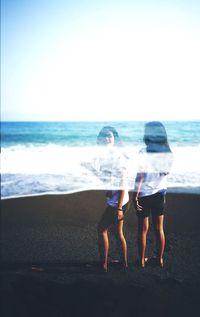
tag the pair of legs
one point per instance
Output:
(143, 227)
(109, 221)
(153, 204)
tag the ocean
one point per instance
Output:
(57, 157)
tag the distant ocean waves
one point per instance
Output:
(55, 169)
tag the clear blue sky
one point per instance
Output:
(100, 60)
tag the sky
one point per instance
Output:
(100, 60)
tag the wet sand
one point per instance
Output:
(49, 260)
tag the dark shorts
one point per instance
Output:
(110, 216)
(153, 204)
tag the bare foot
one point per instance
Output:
(105, 267)
(161, 262)
(125, 267)
(143, 262)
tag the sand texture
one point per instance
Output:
(50, 261)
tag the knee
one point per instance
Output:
(159, 229)
(104, 232)
(120, 236)
(144, 229)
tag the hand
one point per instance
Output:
(120, 215)
(137, 206)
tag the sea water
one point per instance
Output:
(57, 157)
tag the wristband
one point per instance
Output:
(120, 209)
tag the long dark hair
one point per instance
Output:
(155, 137)
(104, 131)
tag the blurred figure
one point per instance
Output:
(150, 188)
(116, 200)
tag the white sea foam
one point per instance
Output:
(32, 170)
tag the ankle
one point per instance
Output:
(142, 262)
(161, 262)
(105, 267)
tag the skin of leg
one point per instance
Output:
(158, 222)
(106, 248)
(100, 243)
(143, 227)
(103, 241)
(120, 237)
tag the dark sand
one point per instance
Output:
(49, 260)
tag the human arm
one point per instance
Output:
(139, 181)
(120, 204)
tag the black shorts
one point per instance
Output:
(110, 216)
(153, 204)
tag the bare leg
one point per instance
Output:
(160, 236)
(106, 249)
(103, 241)
(122, 240)
(143, 227)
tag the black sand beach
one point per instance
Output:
(49, 260)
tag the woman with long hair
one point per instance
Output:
(150, 188)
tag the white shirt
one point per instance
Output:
(154, 168)
(112, 171)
